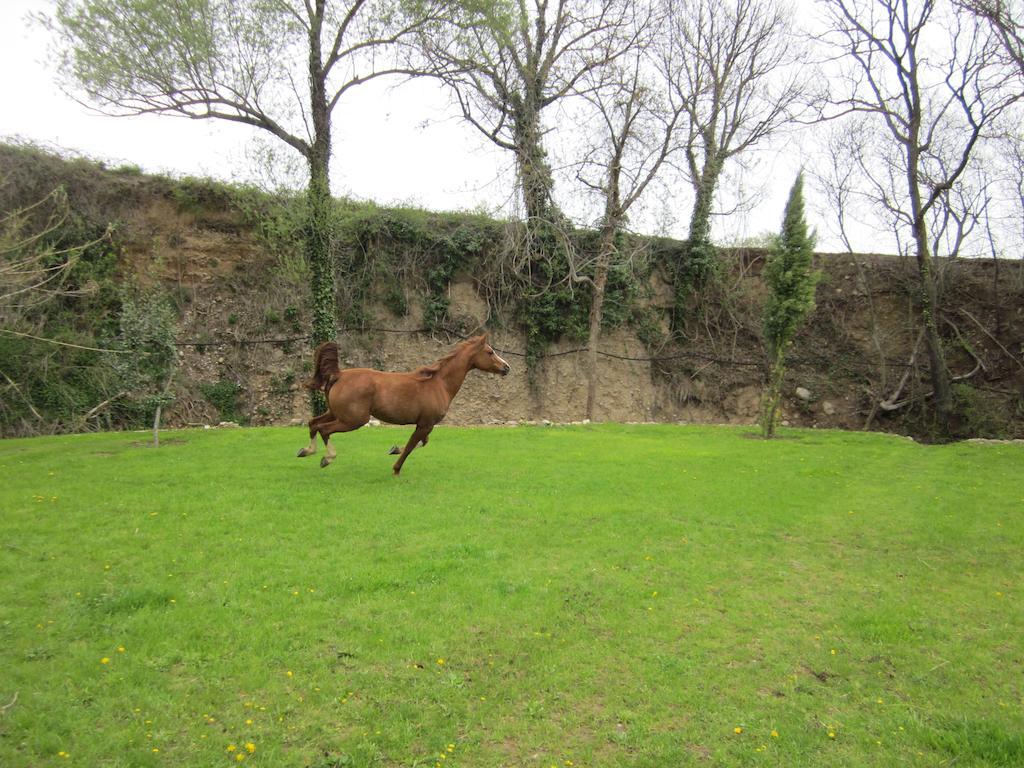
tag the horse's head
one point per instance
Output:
(484, 358)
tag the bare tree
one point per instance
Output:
(733, 69)
(506, 73)
(282, 66)
(838, 176)
(1013, 159)
(34, 273)
(637, 132)
(933, 84)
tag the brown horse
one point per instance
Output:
(421, 397)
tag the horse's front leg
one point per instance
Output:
(395, 450)
(314, 427)
(419, 436)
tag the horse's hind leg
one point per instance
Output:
(329, 429)
(314, 427)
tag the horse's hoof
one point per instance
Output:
(325, 462)
(395, 450)
(302, 453)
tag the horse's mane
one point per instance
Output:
(425, 372)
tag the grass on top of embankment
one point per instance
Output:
(588, 596)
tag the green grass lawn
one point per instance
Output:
(588, 596)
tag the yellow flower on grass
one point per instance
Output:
(775, 734)
(250, 747)
(239, 757)
(289, 673)
(248, 722)
(104, 660)
(737, 729)
(440, 662)
(232, 747)
(831, 734)
(120, 649)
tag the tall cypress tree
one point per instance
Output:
(791, 283)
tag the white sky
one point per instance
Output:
(394, 157)
(392, 144)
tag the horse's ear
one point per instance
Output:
(483, 338)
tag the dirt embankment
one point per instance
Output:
(858, 362)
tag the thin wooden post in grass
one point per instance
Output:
(160, 405)
(791, 284)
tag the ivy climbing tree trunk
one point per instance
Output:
(705, 181)
(318, 196)
(700, 252)
(532, 168)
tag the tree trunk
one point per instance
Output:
(698, 253)
(545, 227)
(318, 249)
(160, 406)
(156, 426)
(318, 201)
(604, 258)
(772, 396)
(535, 180)
(704, 198)
(941, 388)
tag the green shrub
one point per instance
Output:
(223, 395)
(982, 414)
(791, 285)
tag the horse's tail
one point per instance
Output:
(325, 368)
